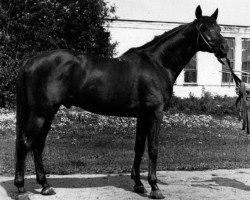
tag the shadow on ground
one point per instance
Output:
(178, 187)
(224, 182)
(119, 181)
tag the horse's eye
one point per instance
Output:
(203, 28)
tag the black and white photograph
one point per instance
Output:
(124, 99)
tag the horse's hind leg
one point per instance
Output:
(21, 154)
(21, 148)
(139, 151)
(33, 139)
(37, 149)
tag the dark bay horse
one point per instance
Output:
(137, 84)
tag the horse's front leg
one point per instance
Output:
(139, 151)
(154, 123)
(38, 147)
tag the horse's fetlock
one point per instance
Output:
(152, 180)
(18, 183)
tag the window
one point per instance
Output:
(226, 75)
(245, 67)
(190, 72)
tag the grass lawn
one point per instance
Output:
(81, 142)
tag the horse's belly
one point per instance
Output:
(112, 110)
(115, 104)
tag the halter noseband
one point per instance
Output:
(198, 27)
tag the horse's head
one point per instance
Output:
(209, 37)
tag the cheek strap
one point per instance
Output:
(198, 27)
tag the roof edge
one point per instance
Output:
(164, 22)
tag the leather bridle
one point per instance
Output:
(200, 35)
(223, 62)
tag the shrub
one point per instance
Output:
(29, 27)
(207, 104)
(8, 73)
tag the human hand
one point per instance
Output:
(237, 90)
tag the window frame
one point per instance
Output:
(186, 69)
(232, 61)
(245, 73)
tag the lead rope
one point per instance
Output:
(244, 111)
(242, 98)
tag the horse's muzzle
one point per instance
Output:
(222, 51)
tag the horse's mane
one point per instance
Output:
(158, 38)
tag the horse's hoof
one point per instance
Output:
(156, 195)
(48, 191)
(140, 189)
(23, 196)
(21, 190)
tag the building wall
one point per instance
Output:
(130, 33)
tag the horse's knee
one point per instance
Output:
(139, 151)
(153, 153)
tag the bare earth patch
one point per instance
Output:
(195, 185)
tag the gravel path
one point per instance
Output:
(195, 185)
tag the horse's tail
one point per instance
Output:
(22, 112)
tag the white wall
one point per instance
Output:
(209, 78)
(130, 34)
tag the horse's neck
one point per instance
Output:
(171, 53)
(175, 52)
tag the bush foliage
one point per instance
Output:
(207, 104)
(30, 26)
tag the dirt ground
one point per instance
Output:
(195, 185)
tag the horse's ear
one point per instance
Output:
(198, 12)
(215, 14)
